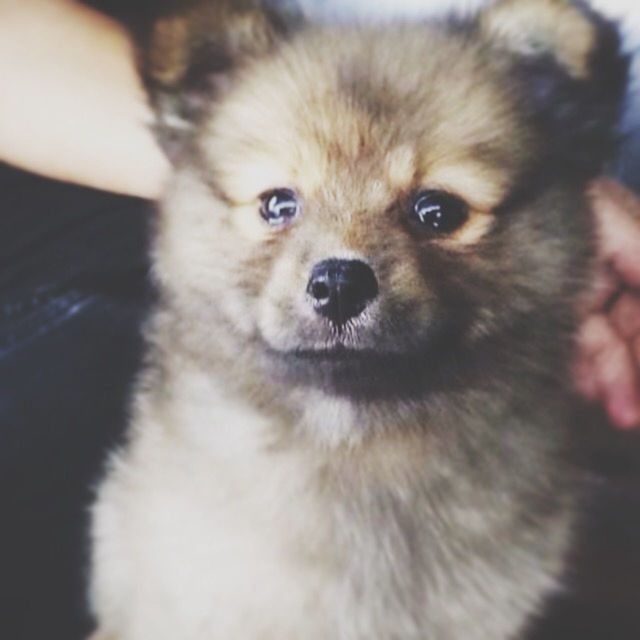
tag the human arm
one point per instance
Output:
(72, 105)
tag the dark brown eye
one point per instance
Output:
(278, 207)
(438, 212)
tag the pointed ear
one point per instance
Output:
(568, 69)
(563, 30)
(190, 55)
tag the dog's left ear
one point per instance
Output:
(190, 54)
(568, 68)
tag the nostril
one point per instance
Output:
(320, 291)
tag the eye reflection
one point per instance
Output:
(438, 212)
(279, 206)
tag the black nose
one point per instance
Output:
(341, 289)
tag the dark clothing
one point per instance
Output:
(72, 292)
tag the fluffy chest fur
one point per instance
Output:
(218, 529)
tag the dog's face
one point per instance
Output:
(359, 207)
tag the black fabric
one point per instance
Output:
(73, 290)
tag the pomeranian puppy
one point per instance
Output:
(352, 422)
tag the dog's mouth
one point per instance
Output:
(340, 354)
(347, 369)
(356, 373)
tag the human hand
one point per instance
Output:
(608, 364)
(73, 107)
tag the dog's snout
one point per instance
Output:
(341, 289)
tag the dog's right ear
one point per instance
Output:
(190, 53)
(569, 69)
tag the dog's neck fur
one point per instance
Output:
(381, 519)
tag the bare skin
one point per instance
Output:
(73, 108)
(608, 364)
(72, 105)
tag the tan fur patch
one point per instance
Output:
(481, 186)
(169, 53)
(401, 167)
(257, 173)
(476, 227)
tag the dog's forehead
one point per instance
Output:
(388, 104)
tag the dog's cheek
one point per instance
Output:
(241, 276)
(186, 231)
(284, 314)
(198, 255)
(409, 301)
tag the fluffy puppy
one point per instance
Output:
(352, 423)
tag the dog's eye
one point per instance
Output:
(438, 212)
(279, 206)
